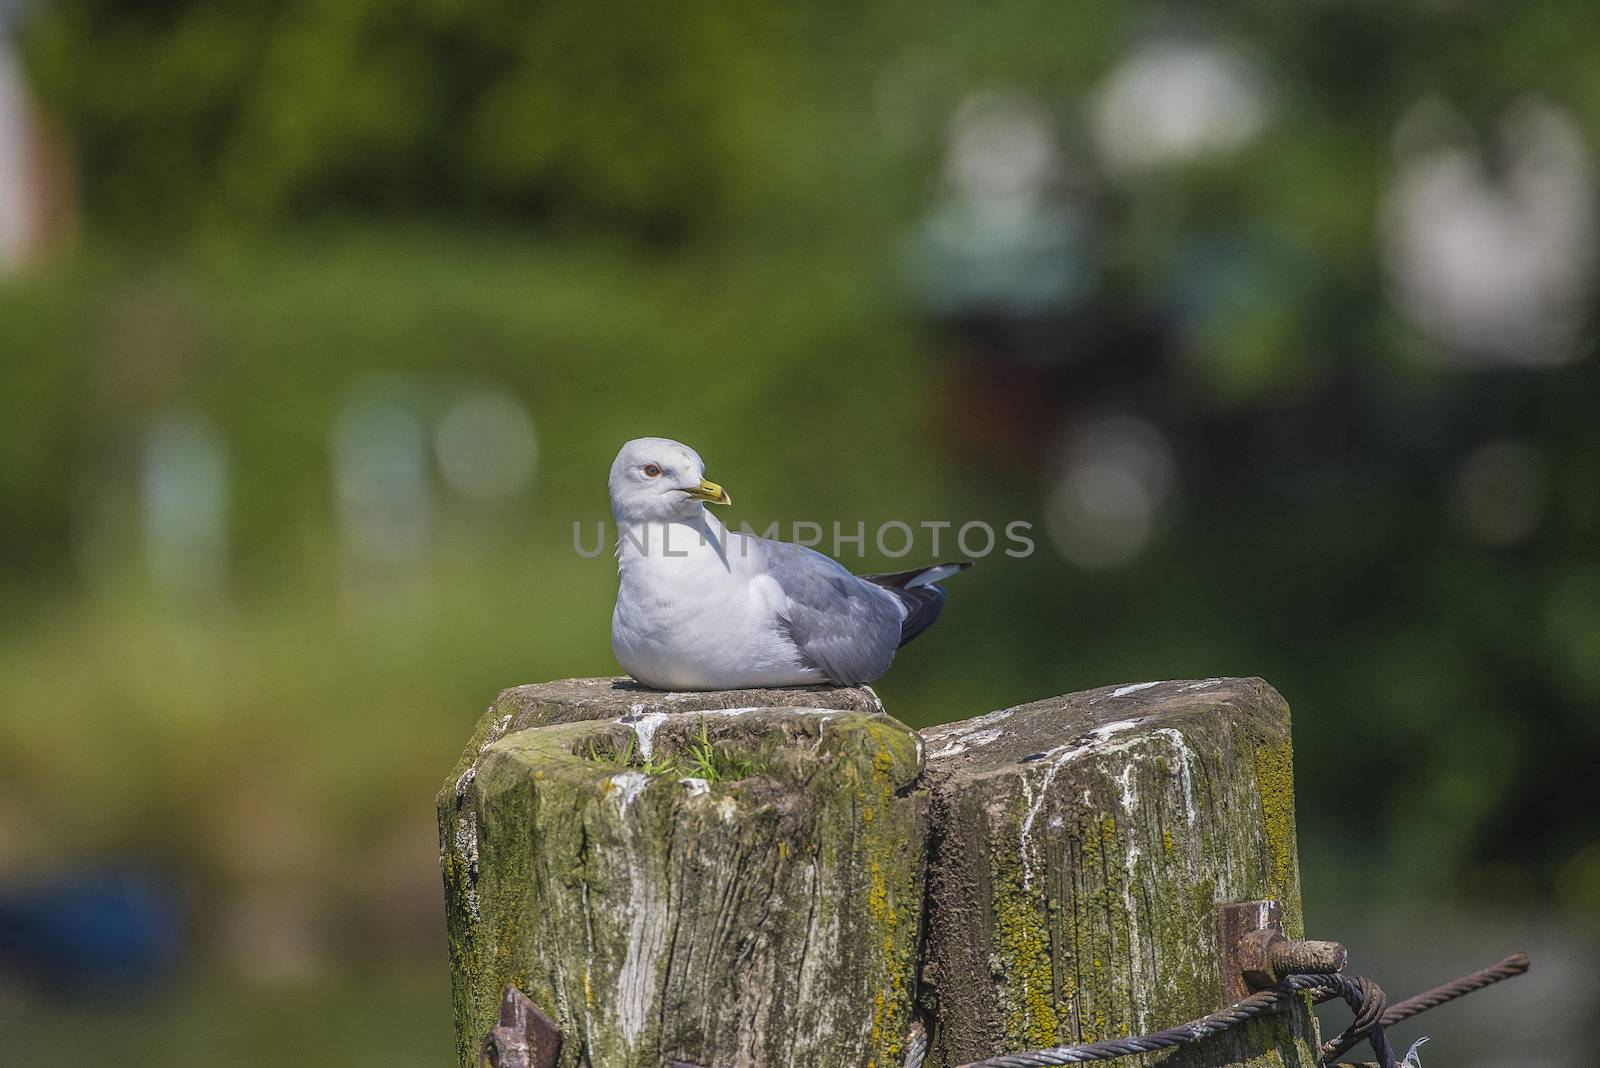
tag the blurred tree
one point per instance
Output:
(250, 112)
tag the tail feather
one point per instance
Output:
(919, 576)
(917, 591)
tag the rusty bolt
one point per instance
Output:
(1265, 956)
(1310, 957)
(523, 1038)
(1255, 957)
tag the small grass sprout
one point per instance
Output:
(714, 763)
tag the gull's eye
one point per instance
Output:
(652, 471)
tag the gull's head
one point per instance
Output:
(658, 479)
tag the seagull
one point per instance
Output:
(701, 607)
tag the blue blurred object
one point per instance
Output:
(87, 927)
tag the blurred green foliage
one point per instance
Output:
(668, 119)
(252, 113)
(685, 220)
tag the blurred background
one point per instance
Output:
(321, 321)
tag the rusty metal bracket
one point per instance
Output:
(1235, 920)
(524, 1037)
(1255, 952)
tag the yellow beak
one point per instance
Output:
(711, 493)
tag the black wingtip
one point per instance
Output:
(923, 605)
(915, 577)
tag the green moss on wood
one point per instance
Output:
(763, 920)
(1093, 912)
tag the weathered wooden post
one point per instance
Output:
(1082, 846)
(756, 879)
(728, 878)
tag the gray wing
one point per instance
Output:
(846, 628)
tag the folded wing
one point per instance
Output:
(845, 627)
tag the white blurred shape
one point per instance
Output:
(17, 221)
(380, 456)
(1495, 267)
(1174, 101)
(184, 491)
(486, 445)
(1501, 489)
(1002, 151)
(1117, 474)
(1004, 235)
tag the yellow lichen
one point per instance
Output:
(884, 861)
(1274, 766)
(1023, 934)
(1025, 944)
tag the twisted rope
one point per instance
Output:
(1362, 995)
(1366, 1000)
(1510, 968)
